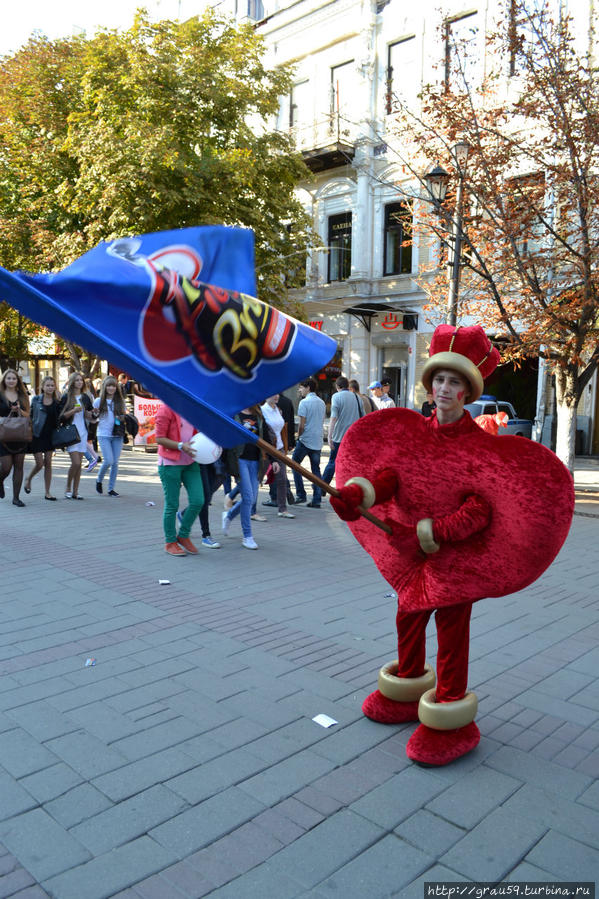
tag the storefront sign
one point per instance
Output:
(317, 325)
(391, 321)
(145, 411)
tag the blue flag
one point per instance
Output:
(176, 310)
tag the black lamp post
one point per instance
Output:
(437, 181)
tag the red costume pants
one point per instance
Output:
(453, 640)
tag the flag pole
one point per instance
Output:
(270, 450)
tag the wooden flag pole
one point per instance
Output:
(270, 450)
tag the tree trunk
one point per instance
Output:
(566, 383)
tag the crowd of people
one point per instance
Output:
(86, 414)
(87, 420)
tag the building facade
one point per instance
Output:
(352, 60)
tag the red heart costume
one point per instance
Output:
(472, 515)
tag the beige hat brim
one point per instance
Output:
(458, 363)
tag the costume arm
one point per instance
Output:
(473, 516)
(361, 492)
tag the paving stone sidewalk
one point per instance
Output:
(185, 762)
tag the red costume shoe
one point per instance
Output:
(397, 698)
(440, 747)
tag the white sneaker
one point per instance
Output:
(249, 543)
(285, 515)
(226, 523)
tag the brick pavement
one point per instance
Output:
(185, 763)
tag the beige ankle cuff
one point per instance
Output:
(447, 715)
(404, 689)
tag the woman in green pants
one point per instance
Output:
(177, 468)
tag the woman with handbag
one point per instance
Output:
(75, 407)
(110, 408)
(14, 404)
(44, 418)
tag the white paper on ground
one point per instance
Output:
(324, 720)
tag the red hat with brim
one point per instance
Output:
(465, 350)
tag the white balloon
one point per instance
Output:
(205, 450)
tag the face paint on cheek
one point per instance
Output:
(461, 394)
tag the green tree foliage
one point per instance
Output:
(161, 126)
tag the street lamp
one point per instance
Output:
(437, 181)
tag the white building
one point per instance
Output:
(352, 59)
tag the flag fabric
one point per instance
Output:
(177, 311)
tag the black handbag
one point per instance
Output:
(131, 424)
(65, 435)
(118, 430)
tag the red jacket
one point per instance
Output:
(168, 424)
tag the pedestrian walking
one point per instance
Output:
(367, 404)
(344, 412)
(44, 418)
(177, 468)
(14, 401)
(311, 411)
(110, 408)
(276, 433)
(248, 457)
(75, 406)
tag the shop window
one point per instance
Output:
(398, 230)
(403, 81)
(339, 243)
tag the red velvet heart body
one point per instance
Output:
(530, 491)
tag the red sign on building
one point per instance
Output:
(391, 321)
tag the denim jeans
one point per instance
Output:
(248, 479)
(299, 454)
(329, 471)
(110, 448)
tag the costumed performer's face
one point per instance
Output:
(450, 392)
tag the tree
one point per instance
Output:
(531, 212)
(162, 126)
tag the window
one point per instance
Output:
(403, 80)
(398, 229)
(462, 53)
(299, 103)
(339, 247)
(342, 94)
(255, 9)
(526, 203)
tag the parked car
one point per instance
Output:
(490, 405)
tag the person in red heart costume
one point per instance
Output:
(471, 516)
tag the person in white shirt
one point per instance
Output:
(380, 399)
(278, 431)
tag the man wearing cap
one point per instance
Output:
(459, 360)
(380, 399)
(386, 400)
